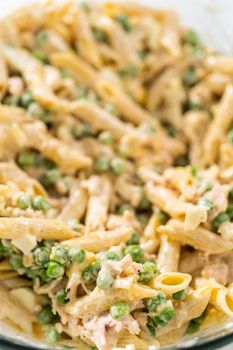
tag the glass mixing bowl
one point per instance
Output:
(212, 19)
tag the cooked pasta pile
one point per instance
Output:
(116, 173)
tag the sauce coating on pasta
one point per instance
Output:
(116, 174)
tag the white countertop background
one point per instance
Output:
(213, 19)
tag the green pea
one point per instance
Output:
(35, 109)
(194, 324)
(164, 316)
(181, 295)
(143, 53)
(181, 160)
(62, 297)
(7, 243)
(24, 201)
(104, 280)
(77, 255)
(135, 252)
(105, 138)
(123, 20)
(135, 239)
(26, 159)
(119, 310)
(50, 178)
(191, 105)
(40, 56)
(209, 187)
(90, 273)
(148, 272)
(200, 318)
(153, 303)
(16, 261)
(81, 132)
(4, 252)
(6, 248)
(41, 256)
(32, 273)
(60, 255)
(45, 316)
(230, 194)
(191, 38)
(144, 203)
(203, 202)
(44, 278)
(118, 166)
(42, 162)
(40, 203)
(99, 34)
(65, 73)
(192, 328)
(55, 270)
(52, 335)
(171, 131)
(123, 208)
(128, 72)
(194, 170)
(163, 217)
(189, 77)
(229, 211)
(220, 219)
(113, 255)
(11, 101)
(143, 218)
(230, 135)
(42, 37)
(151, 326)
(26, 99)
(102, 164)
(111, 109)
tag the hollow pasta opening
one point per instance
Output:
(172, 280)
(229, 302)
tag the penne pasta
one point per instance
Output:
(100, 119)
(100, 190)
(168, 255)
(219, 126)
(172, 282)
(10, 172)
(150, 239)
(15, 313)
(131, 111)
(12, 228)
(198, 238)
(83, 73)
(87, 305)
(85, 42)
(100, 240)
(76, 204)
(56, 150)
(195, 305)
(116, 173)
(3, 77)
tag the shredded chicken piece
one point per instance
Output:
(103, 330)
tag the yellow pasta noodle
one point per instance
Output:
(116, 177)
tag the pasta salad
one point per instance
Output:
(116, 177)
